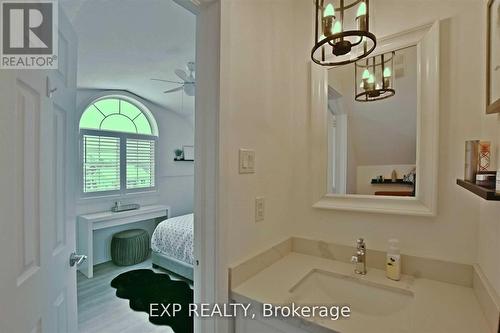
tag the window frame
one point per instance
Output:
(122, 136)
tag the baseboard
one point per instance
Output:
(488, 299)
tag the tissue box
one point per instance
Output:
(486, 179)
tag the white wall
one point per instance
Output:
(489, 242)
(256, 111)
(489, 219)
(175, 179)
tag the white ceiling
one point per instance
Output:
(125, 43)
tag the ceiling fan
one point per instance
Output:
(188, 82)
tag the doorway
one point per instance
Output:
(34, 91)
(136, 125)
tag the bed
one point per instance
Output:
(172, 245)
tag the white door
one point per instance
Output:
(37, 219)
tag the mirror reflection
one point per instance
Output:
(372, 125)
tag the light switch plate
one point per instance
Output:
(259, 209)
(247, 161)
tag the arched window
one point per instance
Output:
(118, 145)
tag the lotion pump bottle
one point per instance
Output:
(393, 261)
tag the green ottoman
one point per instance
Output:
(130, 247)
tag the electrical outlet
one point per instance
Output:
(247, 161)
(259, 209)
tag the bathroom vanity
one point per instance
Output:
(378, 305)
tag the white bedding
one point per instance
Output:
(174, 238)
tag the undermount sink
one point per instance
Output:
(363, 296)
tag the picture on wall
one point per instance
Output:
(188, 153)
(493, 58)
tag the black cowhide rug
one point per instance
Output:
(144, 287)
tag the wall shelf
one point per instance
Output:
(390, 182)
(183, 160)
(484, 192)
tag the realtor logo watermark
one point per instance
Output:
(28, 34)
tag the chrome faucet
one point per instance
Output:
(360, 257)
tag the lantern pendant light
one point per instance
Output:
(374, 78)
(342, 33)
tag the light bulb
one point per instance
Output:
(371, 79)
(337, 28)
(329, 10)
(361, 9)
(387, 72)
(366, 74)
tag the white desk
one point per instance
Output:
(89, 222)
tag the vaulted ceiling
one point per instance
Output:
(125, 43)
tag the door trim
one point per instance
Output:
(210, 276)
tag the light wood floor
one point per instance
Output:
(100, 311)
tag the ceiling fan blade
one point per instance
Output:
(180, 73)
(177, 82)
(174, 90)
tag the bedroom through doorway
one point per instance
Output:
(136, 87)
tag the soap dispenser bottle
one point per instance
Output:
(393, 261)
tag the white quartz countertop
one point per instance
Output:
(437, 307)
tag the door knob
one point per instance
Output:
(50, 90)
(76, 259)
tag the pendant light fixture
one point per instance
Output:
(342, 33)
(374, 78)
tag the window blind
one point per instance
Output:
(140, 155)
(101, 165)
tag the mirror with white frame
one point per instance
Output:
(372, 136)
(379, 156)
